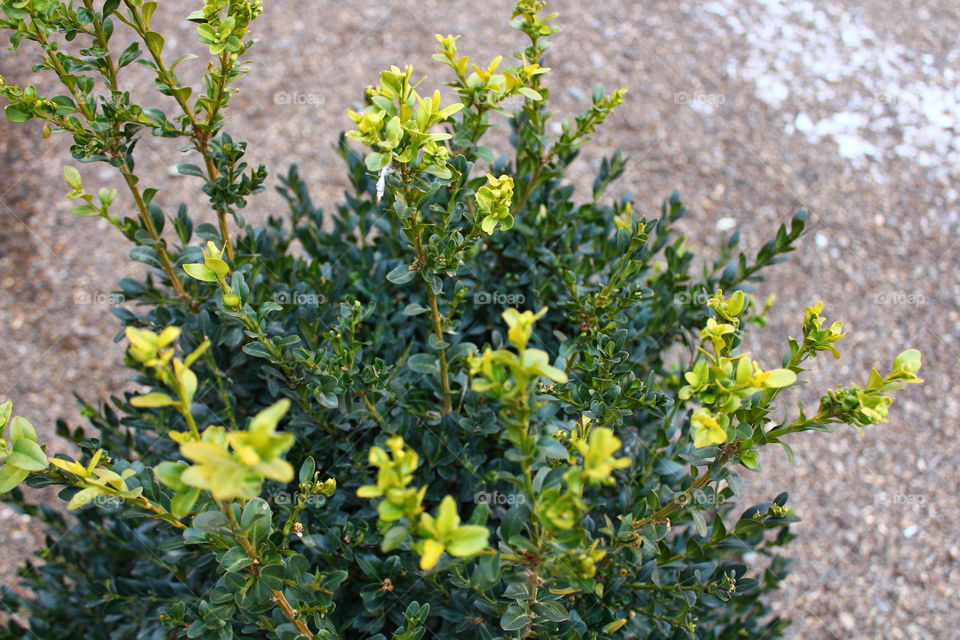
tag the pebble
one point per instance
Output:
(847, 620)
(726, 224)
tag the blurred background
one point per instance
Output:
(751, 108)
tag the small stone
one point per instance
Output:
(847, 620)
(881, 604)
(726, 224)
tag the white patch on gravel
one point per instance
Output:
(835, 78)
(726, 224)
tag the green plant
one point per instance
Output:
(354, 439)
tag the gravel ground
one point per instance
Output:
(752, 109)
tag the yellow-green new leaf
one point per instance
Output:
(167, 336)
(265, 422)
(736, 303)
(537, 362)
(529, 93)
(143, 343)
(27, 455)
(446, 112)
(11, 477)
(616, 625)
(707, 430)
(909, 361)
(276, 469)
(20, 428)
(778, 378)
(183, 502)
(83, 498)
(200, 272)
(394, 537)
(468, 540)
(447, 517)
(5, 410)
(196, 353)
(69, 466)
(188, 381)
(169, 474)
(369, 491)
(153, 400)
(216, 265)
(73, 178)
(430, 553)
